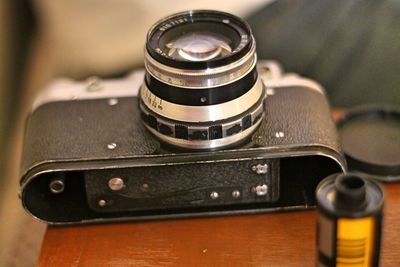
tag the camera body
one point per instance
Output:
(89, 158)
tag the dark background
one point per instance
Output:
(351, 47)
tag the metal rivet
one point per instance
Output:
(116, 184)
(236, 194)
(111, 146)
(112, 101)
(102, 202)
(145, 187)
(258, 139)
(214, 195)
(270, 91)
(260, 168)
(57, 186)
(93, 84)
(279, 134)
(203, 99)
(261, 190)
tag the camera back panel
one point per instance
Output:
(214, 183)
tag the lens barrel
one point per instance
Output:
(201, 88)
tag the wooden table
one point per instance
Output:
(280, 239)
(283, 239)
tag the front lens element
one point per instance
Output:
(198, 46)
(213, 39)
(201, 87)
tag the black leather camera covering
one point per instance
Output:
(70, 139)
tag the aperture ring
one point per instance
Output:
(202, 97)
(206, 78)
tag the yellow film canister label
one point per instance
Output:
(354, 242)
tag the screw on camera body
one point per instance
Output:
(57, 185)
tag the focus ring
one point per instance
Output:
(204, 131)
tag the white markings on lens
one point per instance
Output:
(243, 42)
(172, 23)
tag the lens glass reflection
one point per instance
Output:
(198, 46)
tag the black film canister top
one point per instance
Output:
(350, 192)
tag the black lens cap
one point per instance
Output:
(370, 138)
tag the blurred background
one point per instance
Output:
(351, 47)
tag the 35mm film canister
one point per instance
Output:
(349, 221)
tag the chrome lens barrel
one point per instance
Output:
(201, 88)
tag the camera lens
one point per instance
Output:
(201, 88)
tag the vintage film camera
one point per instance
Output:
(205, 130)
